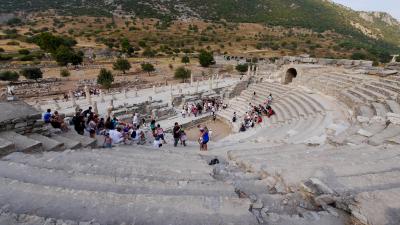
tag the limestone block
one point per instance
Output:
(393, 118)
(19, 125)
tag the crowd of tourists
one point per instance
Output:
(113, 131)
(82, 93)
(207, 105)
(255, 113)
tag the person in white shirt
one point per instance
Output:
(116, 136)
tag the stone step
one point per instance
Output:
(298, 108)
(299, 171)
(366, 182)
(6, 147)
(21, 143)
(48, 143)
(391, 131)
(110, 168)
(68, 143)
(393, 106)
(382, 89)
(361, 95)
(365, 111)
(300, 101)
(377, 207)
(84, 140)
(111, 208)
(380, 109)
(9, 218)
(81, 181)
(371, 93)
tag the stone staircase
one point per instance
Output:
(14, 142)
(361, 180)
(126, 184)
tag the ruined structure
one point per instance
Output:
(330, 156)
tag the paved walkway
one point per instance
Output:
(162, 93)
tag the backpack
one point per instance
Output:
(213, 162)
(133, 135)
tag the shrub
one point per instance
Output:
(24, 52)
(5, 57)
(122, 65)
(105, 78)
(32, 73)
(182, 73)
(242, 68)
(13, 43)
(65, 73)
(9, 76)
(206, 58)
(185, 59)
(147, 67)
(1, 49)
(26, 58)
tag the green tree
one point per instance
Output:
(32, 73)
(126, 47)
(358, 56)
(148, 67)
(122, 65)
(182, 73)
(105, 78)
(24, 52)
(148, 52)
(65, 73)
(242, 68)
(65, 55)
(50, 43)
(185, 59)
(206, 59)
(9, 76)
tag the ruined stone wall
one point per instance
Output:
(21, 118)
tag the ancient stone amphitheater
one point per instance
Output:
(330, 156)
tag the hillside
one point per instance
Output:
(318, 15)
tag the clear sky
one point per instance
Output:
(389, 6)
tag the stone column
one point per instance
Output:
(212, 82)
(197, 86)
(71, 95)
(125, 94)
(256, 74)
(110, 108)
(102, 96)
(88, 96)
(191, 79)
(136, 94)
(57, 106)
(154, 89)
(209, 84)
(95, 109)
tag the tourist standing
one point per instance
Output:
(176, 133)
(160, 133)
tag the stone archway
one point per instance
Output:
(290, 75)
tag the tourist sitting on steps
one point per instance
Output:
(107, 141)
(234, 118)
(242, 128)
(142, 138)
(58, 122)
(47, 116)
